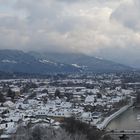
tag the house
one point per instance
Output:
(90, 99)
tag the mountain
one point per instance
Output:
(19, 61)
(12, 61)
(86, 63)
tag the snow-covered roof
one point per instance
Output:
(9, 104)
(90, 98)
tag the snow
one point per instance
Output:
(99, 58)
(86, 115)
(9, 61)
(44, 61)
(4, 136)
(76, 65)
(90, 99)
(15, 89)
(9, 104)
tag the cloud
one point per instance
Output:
(92, 27)
(128, 14)
(52, 23)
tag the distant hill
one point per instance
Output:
(18, 61)
(46, 63)
(86, 63)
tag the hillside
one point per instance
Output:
(47, 63)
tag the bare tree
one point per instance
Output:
(45, 133)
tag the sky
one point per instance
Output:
(105, 28)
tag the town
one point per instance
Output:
(91, 98)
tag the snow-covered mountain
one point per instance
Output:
(45, 63)
(84, 62)
(19, 61)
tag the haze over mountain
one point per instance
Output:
(105, 28)
(46, 63)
